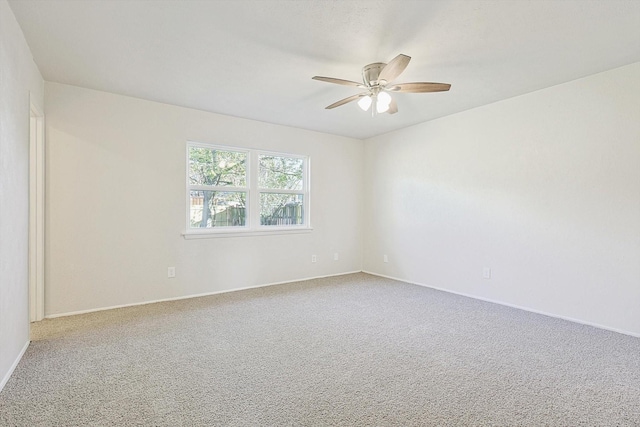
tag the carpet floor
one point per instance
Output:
(354, 350)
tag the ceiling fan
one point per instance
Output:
(377, 79)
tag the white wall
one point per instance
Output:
(116, 204)
(20, 80)
(543, 188)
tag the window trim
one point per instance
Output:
(252, 225)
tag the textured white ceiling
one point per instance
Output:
(255, 59)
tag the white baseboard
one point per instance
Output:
(13, 366)
(519, 307)
(91, 310)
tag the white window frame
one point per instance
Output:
(252, 225)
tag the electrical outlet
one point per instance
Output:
(314, 258)
(336, 257)
(486, 273)
(385, 258)
(171, 272)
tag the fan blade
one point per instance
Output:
(337, 81)
(393, 107)
(346, 100)
(419, 87)
(394, 68)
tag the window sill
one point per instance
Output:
(189, 235)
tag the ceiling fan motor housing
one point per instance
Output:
(371, 72)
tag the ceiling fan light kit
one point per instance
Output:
(377, 79)
(382, 102)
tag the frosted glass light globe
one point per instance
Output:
(365, 103)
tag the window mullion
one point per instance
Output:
(306, 185)
(276, 191)
(217, 188)
(254, 194)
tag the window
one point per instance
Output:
(217, 187)
(240, 190)
(281, 184)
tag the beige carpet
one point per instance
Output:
(355, 350)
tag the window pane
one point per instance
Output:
(280, 173)
(209, 209)
(281, 209)
(217, 167)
